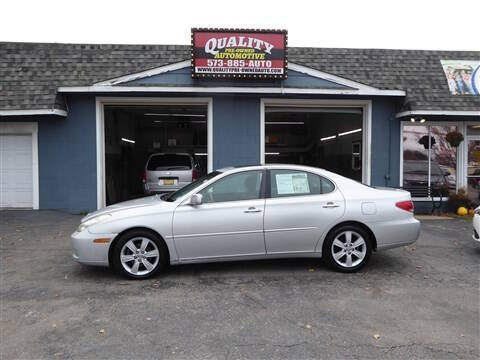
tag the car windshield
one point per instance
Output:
(169, 162)
(186, 189)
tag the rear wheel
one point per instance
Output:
(347, 248)
(139, 254)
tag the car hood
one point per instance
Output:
(137, 203)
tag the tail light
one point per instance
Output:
(144, 176)
(405, 205)
(195, 174)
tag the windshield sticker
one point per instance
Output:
(292, 184)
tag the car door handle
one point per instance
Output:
(252, 210)
(330, 205)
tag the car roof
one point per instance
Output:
(268, 166)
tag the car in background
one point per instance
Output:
(415, 173)
(168, 172)
(476, 224)
(246, 213)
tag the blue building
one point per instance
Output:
(78, 121)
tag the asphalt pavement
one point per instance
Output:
(421, 301)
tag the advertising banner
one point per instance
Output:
(235, 53)
(463, 76)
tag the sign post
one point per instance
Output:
(239, 53)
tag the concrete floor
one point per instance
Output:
(422, 301)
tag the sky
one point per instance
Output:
(400, 24)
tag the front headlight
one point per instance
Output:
(93, 221)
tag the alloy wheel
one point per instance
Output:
(349, 249)
(139, 256)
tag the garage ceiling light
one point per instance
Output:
(328, 138)
(193, 121)
(272, 153)
(300, 109)
(201, 154)
(285, 123)
(128, 140)
(182, 115)
(350, 132)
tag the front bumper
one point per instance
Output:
(88, 252)
(476, 227)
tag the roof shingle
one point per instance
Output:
(30, 73)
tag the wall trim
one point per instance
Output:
(101, 101)
(33, 112)
(226, 89)
(32, 129)
(366, 106)
(437, 112)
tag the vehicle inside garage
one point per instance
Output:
(134, 133)
(329, 138)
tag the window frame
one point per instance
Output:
(262, 187)
(268, 185)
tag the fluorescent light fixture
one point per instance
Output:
(193, 121)
(285, 122)
(201, 154)
(303, 109)
(272, 153)
(328, 138)
(128, 140)
(475, 126)
(181, 115)
(349, 132)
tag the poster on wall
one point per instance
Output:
(228, 53)
(463, 76)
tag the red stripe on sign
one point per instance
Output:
(277, 40)
(279, 64)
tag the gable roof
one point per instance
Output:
(31, 73)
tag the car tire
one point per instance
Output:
(139, 254)
(347, 248)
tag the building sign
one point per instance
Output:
(463, 76)
(239, 53)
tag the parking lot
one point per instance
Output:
(420, 301)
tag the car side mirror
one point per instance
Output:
(196, 199)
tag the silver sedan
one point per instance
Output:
(255, 212)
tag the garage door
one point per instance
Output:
(16, 174)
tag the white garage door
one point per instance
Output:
(16, 173)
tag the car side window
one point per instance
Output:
(240, 186)
(296, 183)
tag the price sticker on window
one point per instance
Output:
(296, 183)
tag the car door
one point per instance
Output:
(229, 222)
(300, 207)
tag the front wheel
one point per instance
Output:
(347, 249)
(139, 254)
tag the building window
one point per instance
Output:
(428, 158)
